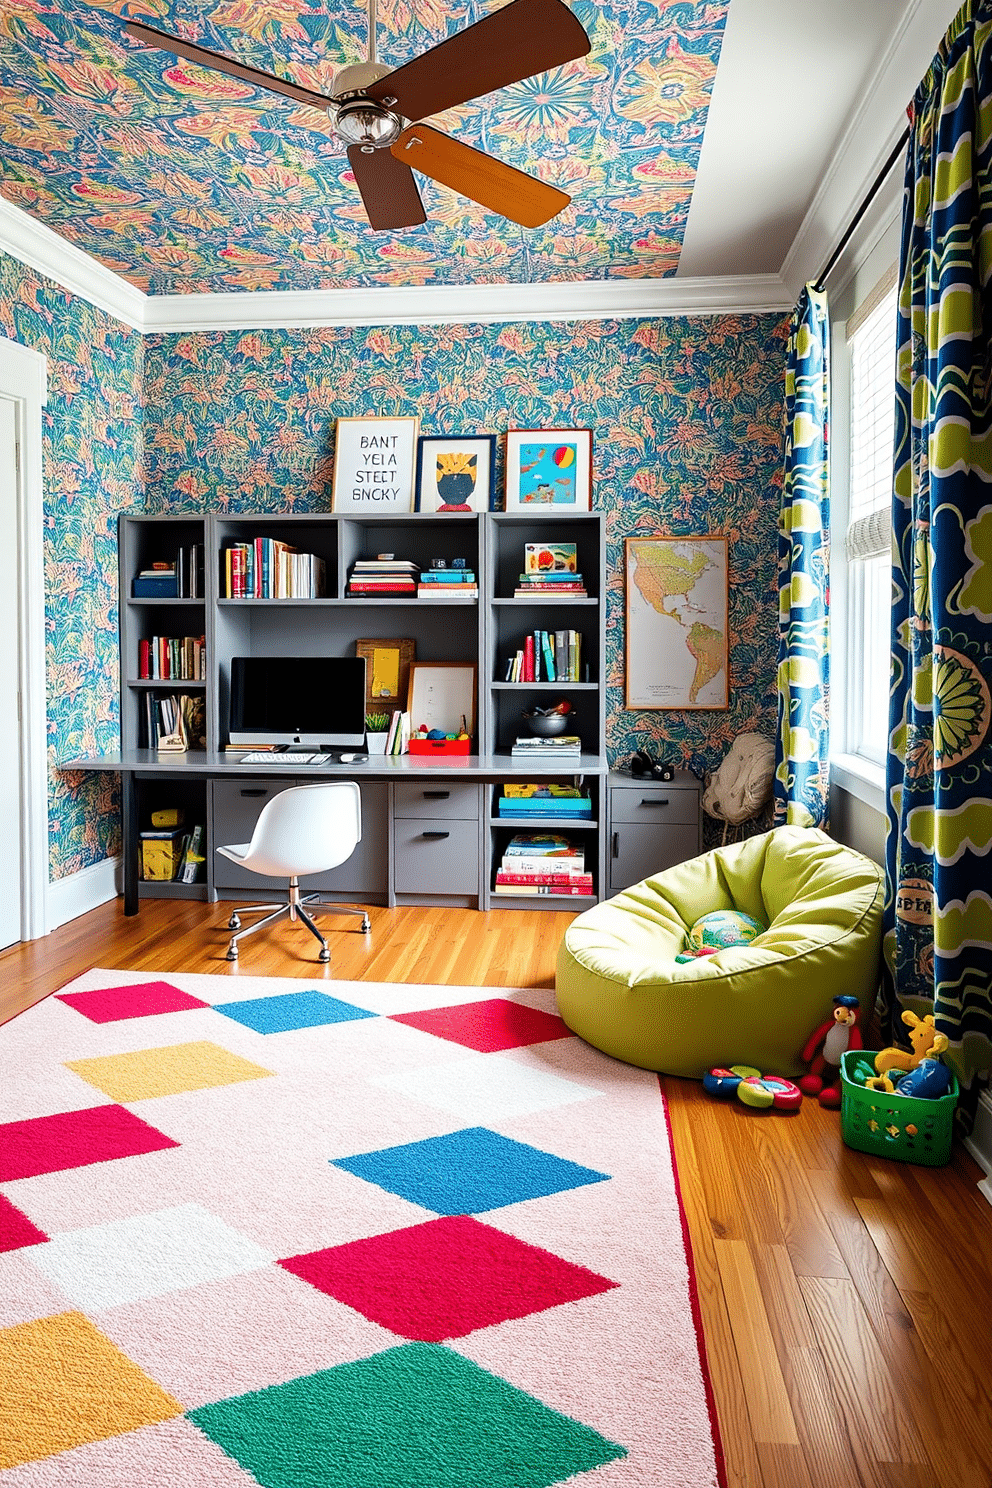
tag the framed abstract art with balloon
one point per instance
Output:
(549, 469)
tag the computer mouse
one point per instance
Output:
(351, 759)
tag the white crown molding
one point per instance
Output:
(868, 140)
(36, 245)
(587, 300)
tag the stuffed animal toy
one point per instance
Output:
(833, 1038)
(927, 1044)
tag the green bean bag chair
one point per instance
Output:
(620, 988)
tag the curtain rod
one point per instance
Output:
(872, 192)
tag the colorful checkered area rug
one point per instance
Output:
(347, 1235)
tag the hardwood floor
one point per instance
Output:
(846, 1301)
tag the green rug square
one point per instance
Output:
(417, 1416)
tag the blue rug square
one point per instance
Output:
(417, 1416)
(468, 1172)
(291, 1010)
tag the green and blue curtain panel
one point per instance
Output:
(938, 913)
(801, 764)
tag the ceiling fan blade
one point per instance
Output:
(525, 37)
(480, 177)
(217, 63)
(388, 189)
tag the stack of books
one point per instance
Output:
(269, 569)
(172, 856)
(542, 863)
(562, 749)
(443, 582)
(550, 572)
(534, 802)
(383, 577)
(547, 656)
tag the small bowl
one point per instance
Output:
(548, 724)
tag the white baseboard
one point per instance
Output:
(979, 1144)
(68, 898)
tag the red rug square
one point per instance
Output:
(74, 1139)
(139, 1000)
(16, 1230)
(445, 1278)
(488, 1026)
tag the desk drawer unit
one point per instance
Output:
(236, 808)
(658, 804)
(439, 802)
(653, 826)
(434, 855)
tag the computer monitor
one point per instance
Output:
(309, 701)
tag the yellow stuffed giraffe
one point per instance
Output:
(927, 1044)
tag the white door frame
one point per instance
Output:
(24, 380)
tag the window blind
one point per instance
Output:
(873, 362)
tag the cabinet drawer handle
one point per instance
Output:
(646, 802)
(616, 844)
(261, 792)
(434, 836)
(436, 795)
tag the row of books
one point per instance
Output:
(559, 749)
(398, 737)
(181, 579)
(172, 855)
(542, 863)
(172, 659)
(533, 801)
(269, 569)
(560, 584)
(165, 715)
(547, 656)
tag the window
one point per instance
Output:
(872, 348)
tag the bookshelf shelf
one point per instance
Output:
(168, 684)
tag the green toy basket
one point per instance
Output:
(879, 1121)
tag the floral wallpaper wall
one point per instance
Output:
(687, 438)
(92, 456)
(183, 179)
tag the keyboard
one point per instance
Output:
(267, 757)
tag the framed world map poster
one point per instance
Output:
(677, 653)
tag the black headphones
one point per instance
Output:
(643, 767)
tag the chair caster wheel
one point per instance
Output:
(232, 953)
(365, 926)
(325, 955)
(234, 923)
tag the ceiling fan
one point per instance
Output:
(375, 110)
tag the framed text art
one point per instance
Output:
(373, 464)
(549, 469)
(677, 651)
(455, 475)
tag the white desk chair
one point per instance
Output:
(306, 829)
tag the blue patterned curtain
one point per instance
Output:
(938, 913)
(801, 763)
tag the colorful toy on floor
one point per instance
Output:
(824, 1048)
(927, 1044)
(718, 931)
(753, 1088)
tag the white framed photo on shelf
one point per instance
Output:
(548, 470)
(455, 474)
(442, 696)
(374, 464)
(677, 622)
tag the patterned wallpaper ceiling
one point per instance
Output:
(183, 180)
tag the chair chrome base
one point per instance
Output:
(295, 910)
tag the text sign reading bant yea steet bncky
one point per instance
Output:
(374, 464)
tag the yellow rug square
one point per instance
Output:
(166, 1071)
(65, 1384)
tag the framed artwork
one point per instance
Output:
(441, 694)
(548, 468)
(455, 475)
(677, 622)
(373, 464)
(387, 672)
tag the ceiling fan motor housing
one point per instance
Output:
(358, 119)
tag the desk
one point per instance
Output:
(196, 773)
